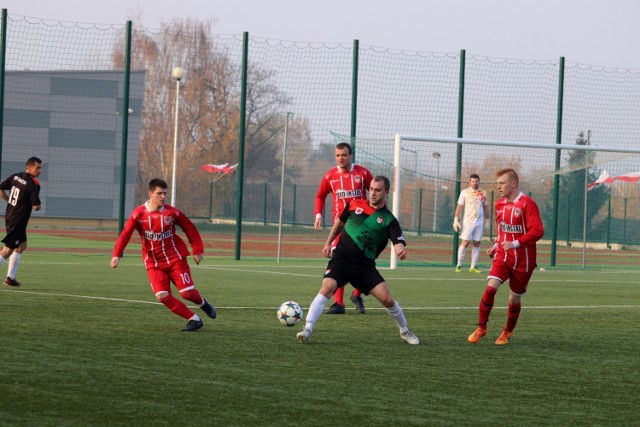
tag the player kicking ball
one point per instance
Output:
(366, 227)
(513, 253)
(165, 254)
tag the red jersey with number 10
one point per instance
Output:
(345, 186)
(518, 220)
(161, 246)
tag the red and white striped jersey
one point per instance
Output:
(160, 244)
(345, 186)
(518, 220)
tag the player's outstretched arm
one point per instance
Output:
(114, 261)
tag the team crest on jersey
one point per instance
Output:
(359, 211)
(357, 179)
(379, 220)
(517, 213)
(168, 220)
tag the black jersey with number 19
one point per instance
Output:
(367, 230)
(24, 194)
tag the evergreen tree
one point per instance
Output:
(571, 212)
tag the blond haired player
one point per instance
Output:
(472, 199)
(513, 252)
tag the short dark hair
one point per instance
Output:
(157, 182)
(387, 183)
(474, 175)
(343, 145)
(32, 161)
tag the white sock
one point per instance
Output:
(475, 256)
(317, 305)
(397, 315)
(462, 250)
(14, 261)
(195, 317)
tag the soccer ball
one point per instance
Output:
(290, 313)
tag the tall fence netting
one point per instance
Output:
(64, 97)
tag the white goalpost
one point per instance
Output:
(537, 161)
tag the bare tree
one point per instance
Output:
(209, 114)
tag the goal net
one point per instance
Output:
(587, 192)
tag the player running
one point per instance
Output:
(165, 254)
(367, 228)
(514, 253)
(346, 182)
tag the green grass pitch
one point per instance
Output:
(84, 344)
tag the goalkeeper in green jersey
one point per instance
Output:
(366, 227)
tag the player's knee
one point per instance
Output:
(494, 283)
(388, 302)
(6, 252)
(329, 286)
(382, 294)
(514, 298)
(162, 296)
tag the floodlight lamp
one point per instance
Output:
(178, 73)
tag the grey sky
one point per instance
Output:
(591, 32)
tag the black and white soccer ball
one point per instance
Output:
(290, 313)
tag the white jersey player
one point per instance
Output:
(473, 201)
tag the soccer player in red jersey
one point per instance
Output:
(23, 198)
(165, 254)
(347, 181)
(513, 253)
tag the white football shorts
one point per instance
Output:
(472, 231)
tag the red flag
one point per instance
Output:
(223, 168)
(629, 177)
(603, 178)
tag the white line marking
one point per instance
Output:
(542, 307)
(79, 296)
(319, 275)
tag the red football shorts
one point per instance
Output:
(178, 273)
(518, 280)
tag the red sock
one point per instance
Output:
(512, 317)
(486, 304)
(356, 292)
(178, 307)
(338, 295)
(192, 295)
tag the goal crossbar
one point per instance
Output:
(523, 144)
(399, 138)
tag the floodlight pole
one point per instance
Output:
(284, 159)
(177, 73)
